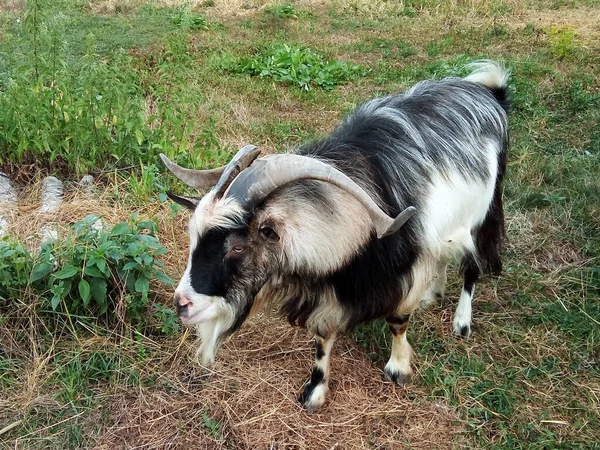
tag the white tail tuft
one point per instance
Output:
(489, 73)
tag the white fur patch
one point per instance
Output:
(212, 213)
(454, 207)
(400, 359)
(319, 242)
(436, 288)
(462, 315)
(488, 73)
(210, 314)
(210, 333)
(317, 397)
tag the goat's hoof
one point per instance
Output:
(462, 330)
(313, 396)
(395, 376)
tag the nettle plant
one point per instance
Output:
(93, 270)
(15, 266)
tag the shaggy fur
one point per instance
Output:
(310, 249)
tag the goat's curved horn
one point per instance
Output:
(273, 171)
(204, 179)
(244, 158)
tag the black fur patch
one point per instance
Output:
(502, 96)
(491, 234)
(319, 350)
(398, 320)
(470, 272)
(317, 376)
(208, 273)
(306, 393)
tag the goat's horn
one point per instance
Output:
(273, 171)
(243, 158)
(204, 179)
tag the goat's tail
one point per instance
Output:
(494, 76)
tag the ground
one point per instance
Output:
(184, 78)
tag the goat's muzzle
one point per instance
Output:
(181, 304)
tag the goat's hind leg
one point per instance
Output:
(315, 391)
(462, 315)
(437, 286)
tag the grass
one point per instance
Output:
(527, 378)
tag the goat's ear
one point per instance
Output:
(189, 202)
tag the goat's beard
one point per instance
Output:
(212, 333)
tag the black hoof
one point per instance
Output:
(400, 379)
(465, 331)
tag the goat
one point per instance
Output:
(316, 233)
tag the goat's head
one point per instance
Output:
(235, 250)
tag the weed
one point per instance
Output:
(186, 19)
(146, 183)
(89, 271)
(213, 426)
(15, 266)
(283, 11)
(303, 67)
(562, 41)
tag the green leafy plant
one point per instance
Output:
(302, 67)
(283, 11)
(185, 18)
(92, 269)
(212, 425)
(15, 266)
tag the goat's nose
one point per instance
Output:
(180, 302)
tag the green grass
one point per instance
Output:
(197, 83)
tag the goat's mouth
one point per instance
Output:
(191, 316)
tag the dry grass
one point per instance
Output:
(12, 5)
(252, 392)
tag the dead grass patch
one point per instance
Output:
(252, 393)
(12, 5)
(125, 6)
(248, 399)
(534, 238)
(585, 22)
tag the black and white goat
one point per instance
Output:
(312, 233)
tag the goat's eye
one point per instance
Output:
(238, 249)
(268, 234)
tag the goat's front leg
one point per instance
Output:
(398, 369)
(315, 391)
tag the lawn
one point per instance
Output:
(91, 356)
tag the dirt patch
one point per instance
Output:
(584, 21)
(248, 400)
(12, 5)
